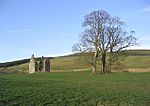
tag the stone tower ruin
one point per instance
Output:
(32, 65)
(40, 65)
(46, 65)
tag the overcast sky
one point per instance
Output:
(51, 27)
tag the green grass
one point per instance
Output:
(75, 89)
(68, 63)
(137, 62)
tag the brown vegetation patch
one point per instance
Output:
(138, 70)
(57, 70)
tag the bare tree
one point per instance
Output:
(104, 35)
(119, 40)
(88, 48)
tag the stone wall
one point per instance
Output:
(43, 65)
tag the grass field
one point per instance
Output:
(137, 62)
(75, 89)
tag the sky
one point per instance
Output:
(51, 27)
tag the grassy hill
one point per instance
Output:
(75, 89)
(136, 59)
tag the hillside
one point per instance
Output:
(136, 60)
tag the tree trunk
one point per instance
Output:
(110, 62)
(94, 69)
(104, 63)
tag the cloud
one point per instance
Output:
(59, 54)
(147, 9)
(17, 30)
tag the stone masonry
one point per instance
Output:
(42, 65)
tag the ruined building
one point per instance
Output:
(42, 65)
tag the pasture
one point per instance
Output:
(75, 89)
